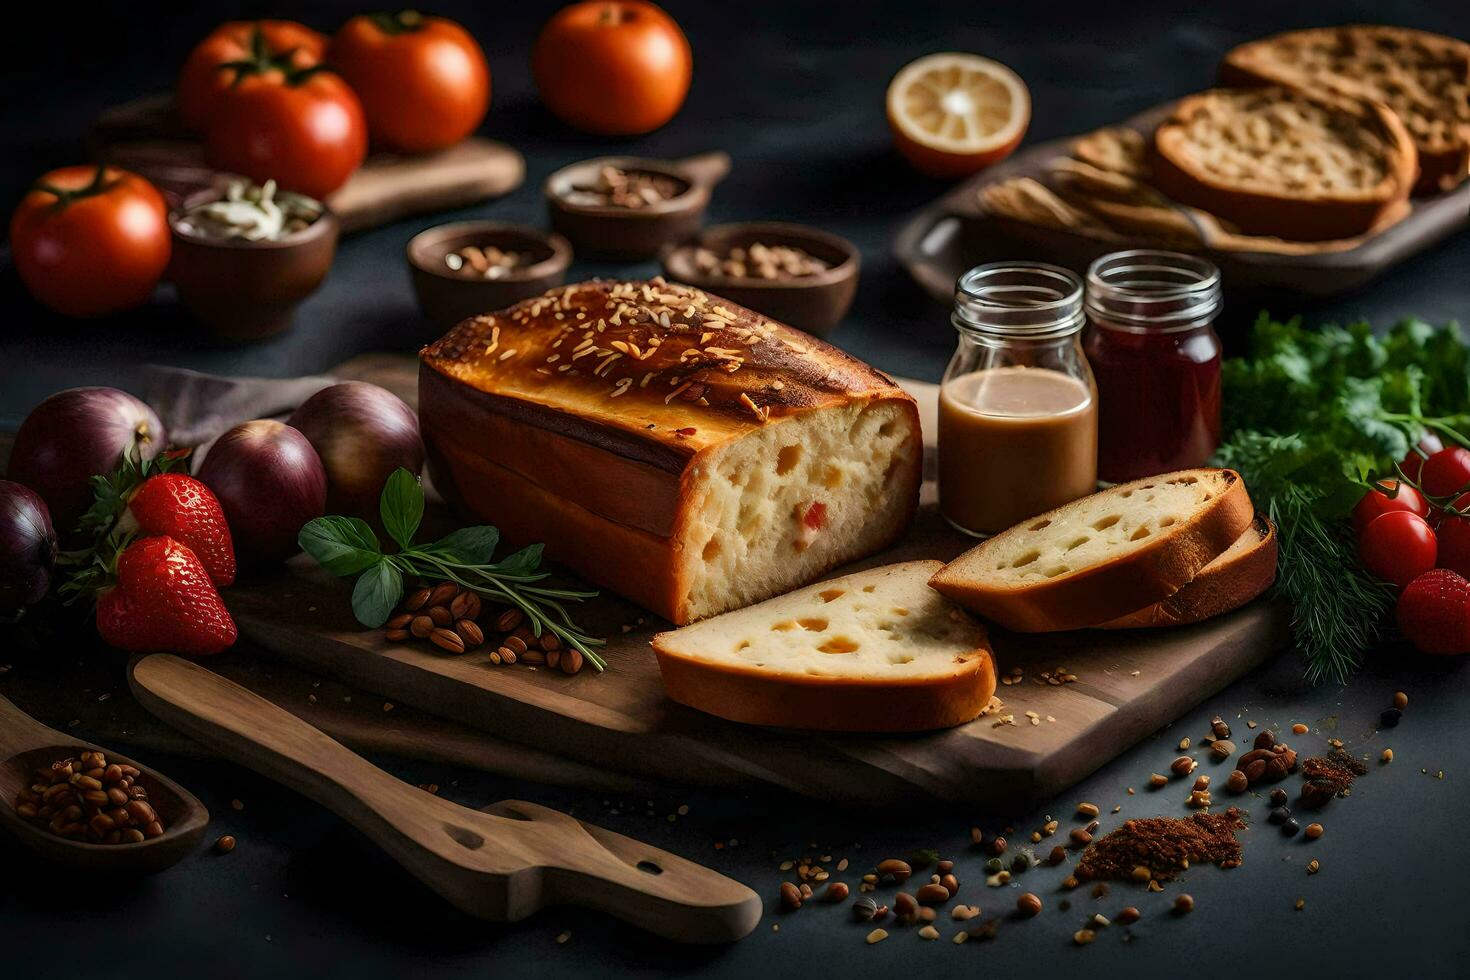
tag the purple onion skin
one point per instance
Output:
(27, 547)
(269, 482)
(75, 435)
(362, 434)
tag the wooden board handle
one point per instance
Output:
(504, 864)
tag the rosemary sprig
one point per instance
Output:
(348, 546)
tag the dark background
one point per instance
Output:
(794, 91)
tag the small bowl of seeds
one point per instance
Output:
(245, 256)
(470, 267)
(631, 207)
(802, 276)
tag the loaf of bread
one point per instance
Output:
(1424, 78)
(1243, 572)
(1273, 161)
(875, 651)
(1103, 556)
(669, 445)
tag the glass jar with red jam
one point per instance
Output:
(1156, 359)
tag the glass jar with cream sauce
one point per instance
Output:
(1017, 405)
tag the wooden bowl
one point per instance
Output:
(245, 291)
(814, 303)
(446, 297)
(628, 233)
(27, 745)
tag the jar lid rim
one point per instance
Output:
(1019, 298)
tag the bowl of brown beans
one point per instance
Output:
(471, 267)
(802, 276)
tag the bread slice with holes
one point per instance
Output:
(1244, 571)
(875, 651)
(1103, 556)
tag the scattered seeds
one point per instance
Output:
(877, 936)
(1183, 904)
(1083, 936)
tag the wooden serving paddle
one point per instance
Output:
(502, 864)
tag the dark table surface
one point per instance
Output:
(794, 92)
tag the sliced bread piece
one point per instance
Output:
(1274, 161)
(1243, 572)
(1103, 556)
(875, 651)
(1423, 77)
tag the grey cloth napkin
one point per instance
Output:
(198, 408)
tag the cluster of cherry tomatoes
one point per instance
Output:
(1415, 534)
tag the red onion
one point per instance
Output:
(270, 482)
(75, 435)
(362, 433)
(27, 547)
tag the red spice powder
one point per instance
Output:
(1165, 845)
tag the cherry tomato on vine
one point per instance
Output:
(88, 241)
(1393, 496)
(1453, 536)
(614, 67)
(1413, 463)
(212, 66)
(1446, 472)
(1398, 547)
(304, 130)
(423, 81)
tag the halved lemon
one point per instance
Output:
(953, 114)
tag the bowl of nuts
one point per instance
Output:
(470, 267)
(799, 275)
(630, 207)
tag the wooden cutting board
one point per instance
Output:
(953, 235)
(1129, 684)
(146, 136)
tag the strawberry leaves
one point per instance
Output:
(347, 546)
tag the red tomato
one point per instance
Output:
(1434, 613)
(1414, 462)
(1453, 536)
(614, 67)
(89, 241)
(285, 44)
(1398, 547)
(304, 131)
(423, 81)
(1376, 503)
(1446, 472)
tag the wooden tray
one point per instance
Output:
(952, 235)
(1130, 684)
(146, 136)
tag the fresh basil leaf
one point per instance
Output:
(468, 545)
(402, 506)
(376, 594)
(523, 562)
(341, 545)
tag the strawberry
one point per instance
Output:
(163, 600)
(186, 510)
(1434, 612)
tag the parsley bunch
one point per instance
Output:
(348, 546)
(1312, 417)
